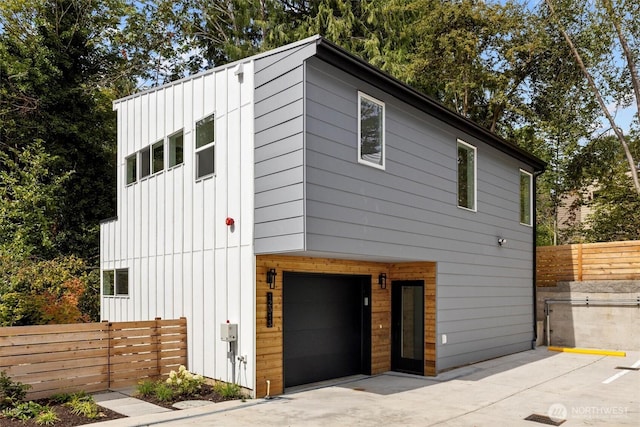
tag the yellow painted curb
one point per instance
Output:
(589, 351)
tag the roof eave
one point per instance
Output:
(340, 58)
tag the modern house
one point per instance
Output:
(313, 218)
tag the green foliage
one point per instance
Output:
(184, 382)
(12, 392)
(24, 411)
(47, 417)
(179, 384)
(36, 292)
(164, 392)
(83, 405)
(228, 390)
(146, 388)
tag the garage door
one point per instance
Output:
(327, 327)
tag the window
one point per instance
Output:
(158, 156)
(145, 162)
(526, 192)
(131, 170)
(205, 147)
(108, 281)
(115, 282)
(466, 176)
(370, 131)
(176, 144)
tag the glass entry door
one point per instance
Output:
(407, 335)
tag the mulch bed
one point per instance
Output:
(206, 393)
(67, 419)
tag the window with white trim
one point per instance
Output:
(115, 282)
(371, 130)
(157, 151)
(132, 163)
(176, 149)
(467, 174)
(205, 147)
(526, 198)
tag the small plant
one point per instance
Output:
(228, 390)
(83, 405)
(146, 388)
(24, 411)
(164, 392)
(11, 392)
(184, 382)
(47, 417)
(60, 398)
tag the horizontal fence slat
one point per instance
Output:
(91, 357)
(588, 261)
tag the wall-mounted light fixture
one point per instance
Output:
(502, 241)
(271, 278)
(382, 280)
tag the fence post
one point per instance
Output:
(156, 345)
(108, 324)
(580, 262)
(183, 320)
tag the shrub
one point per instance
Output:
(164, 392)
(47, 417)
(24, 411)
(11, 392)
(146, 388)
(83, 405)
(228, 390)
(184, 382)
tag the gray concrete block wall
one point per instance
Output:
(607, 322)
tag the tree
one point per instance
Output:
(604, 26)
(58, 73)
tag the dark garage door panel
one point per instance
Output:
(322, 327)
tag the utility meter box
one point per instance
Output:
(228, 332)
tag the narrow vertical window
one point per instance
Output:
(205, 147)
(131, 170)
(176, 146)
(108, 282)
(158, 156)
(466, 176)
(145, 162)
(526, 197)
(122, 281)
(371, 129)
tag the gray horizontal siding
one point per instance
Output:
(409, 211)
(279, 156)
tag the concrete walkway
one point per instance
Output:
(504, 391)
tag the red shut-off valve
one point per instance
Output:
(229, 221)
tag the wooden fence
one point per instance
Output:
(588, 261)
(91, 356)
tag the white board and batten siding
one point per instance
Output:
(170, 230)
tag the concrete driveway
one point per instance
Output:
(581, 389)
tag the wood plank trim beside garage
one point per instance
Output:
(269, 341)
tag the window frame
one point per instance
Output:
(127, 160)
(530, 201)
(208, 146)
(383, 150)
(114, 286)
(473, 149)
(158, 144)
(169, 141)
(141, 163)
